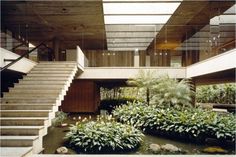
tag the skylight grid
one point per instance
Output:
(129, 40)
(139, 8)
(127, 44)
(133, 28)
(131, 34)
(126, 48)
(134, 21)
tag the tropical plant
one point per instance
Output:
(103, 136)
(144, 81)
(222, 93)
(172, 93)
(118, 92)
(192, 123)
(59, 118)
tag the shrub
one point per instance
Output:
(103, 136)
(110, 104)
(193, 123)
(59, 118)
(222, 93)
(170, 92)
(163, 90)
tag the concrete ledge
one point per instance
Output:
(129, 72)
(224, 61)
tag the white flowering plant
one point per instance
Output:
(104, 135)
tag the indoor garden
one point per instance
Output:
(151, 116)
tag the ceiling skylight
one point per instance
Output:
(130, 34)
(133, 24)
(129, 40)
(136, 19)
(139, 8)
(133, 28)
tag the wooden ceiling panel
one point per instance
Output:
(66, 20)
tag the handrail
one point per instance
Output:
(22, 56)
(13, 49)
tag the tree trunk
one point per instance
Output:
(148, 96)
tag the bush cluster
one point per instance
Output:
(193, 123)
(223, 94)
(103, 136)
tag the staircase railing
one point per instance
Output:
(22, 56)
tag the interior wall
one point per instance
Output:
(82, 96)
(100, 58)
(160, 58)
(190, 57)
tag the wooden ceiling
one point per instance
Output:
(73, 22)
(81, 22)
(189, 18)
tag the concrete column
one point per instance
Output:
(9, 40)
(147, 61)
(56, 48)
(193, 86)
(136, 58)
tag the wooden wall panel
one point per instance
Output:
(142, 58)
(160, 58)
(100, 58)
(190, 57)
(82, 96)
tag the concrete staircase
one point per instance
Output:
(28, 108)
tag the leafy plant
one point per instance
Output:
(118, 92)
(171, 92)
(110, 104)
(103, 136)
(222, 93)
(144, 81)
(192, 123)
(59, 118)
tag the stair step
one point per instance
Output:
(58, 62)
(25, 113)
(42, 82)
(22, 130)
(15, 151)
(33, 91)
(55, 66)
(34, 100)
(48, 75)
(17, 141)
(23, 121)
(38, 85)
(45, 78)
(36, 68)
(30, 106)
(26, 97)
(30, 93)
(49, 72)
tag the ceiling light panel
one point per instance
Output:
(126, 48)
(139, 8)
(133, 24)
(133, 28)
(136, 19)
(130, 34)
(127, 44)
(129, 40)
